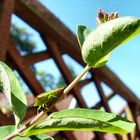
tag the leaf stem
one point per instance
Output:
(38, 116)
(76, 80)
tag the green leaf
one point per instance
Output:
(6, 130)
(84, 120)
(106, 37)
(102, 61)
(82, 33)
(11, 88)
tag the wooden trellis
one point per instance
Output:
(59, 40)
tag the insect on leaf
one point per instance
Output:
(48, 99)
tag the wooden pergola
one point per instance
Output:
(59, 40)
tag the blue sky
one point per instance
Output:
(124, 61)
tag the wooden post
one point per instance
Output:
(133, 107)
(6, 10)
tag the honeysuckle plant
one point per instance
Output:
(96, 47)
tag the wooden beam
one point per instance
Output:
(134, 110)
(43, 20)
(101, 93)
(130, 117)
(16, 60)
(32, 58)
(6, 10)
(4, 120)
(100, 103)
(113, 81)
(84, 82)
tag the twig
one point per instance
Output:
(76, 80)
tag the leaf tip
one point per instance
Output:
(82, 32)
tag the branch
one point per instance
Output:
(38, 116)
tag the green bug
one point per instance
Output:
(46, 100)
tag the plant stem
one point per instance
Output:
(36, 119)
(76, 80)
(14, 134)
(38, 116)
